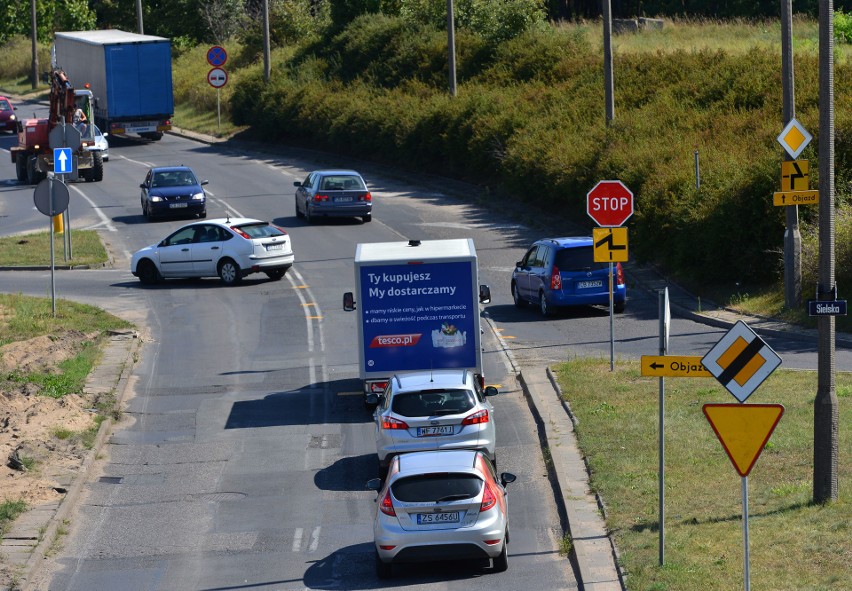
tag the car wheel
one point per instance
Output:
(148, 274)
(501, 563)
(542, 303)
(308, 217)
(21, 168)
(618, 307)
(384, 570)
(298, 213)
(276, 274)
(516, 295)
(97, 170)
(202, 215)
(229, 272)
(367, 218)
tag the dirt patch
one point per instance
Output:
(30, 423)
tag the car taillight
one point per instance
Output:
(392, 423)
(320, 197)
(378, 387)
(386, 506)
(240, 232)
(619, 274)
(476, 418)
(365, 197)
(555, 279)
(489, 499)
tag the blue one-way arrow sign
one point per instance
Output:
(62, 162)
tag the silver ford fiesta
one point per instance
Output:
(441, 505)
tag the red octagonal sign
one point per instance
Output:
(609, 203)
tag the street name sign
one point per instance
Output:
(675, 366)
(741, 361)
(827, 308)
(609, 203)
(610, 245)
(794, 138)
(743, 430)
(783, 198)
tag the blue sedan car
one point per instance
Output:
(333, 193)
(559, 272)
(173, 190)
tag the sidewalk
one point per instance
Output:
(30, 537)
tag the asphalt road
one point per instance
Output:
(242, 461)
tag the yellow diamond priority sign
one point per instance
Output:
(743, 430)
(795, 138)
(741, 360)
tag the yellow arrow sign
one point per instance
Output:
(610, 245)
(782, 198)
(743, 430)
(677, 366)
(794, 175)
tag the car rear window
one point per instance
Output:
(577, 259)
(433, 402)
(261, 230)
(342, 183)
(441, 486)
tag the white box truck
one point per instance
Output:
(418, 309)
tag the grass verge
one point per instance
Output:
(9, 511)
(24, 250)
(794, 545)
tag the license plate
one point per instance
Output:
(274, 247)
(432, 431)
(427, 518)
(587, 284)
(177, 205)
(343, 199)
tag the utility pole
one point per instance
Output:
(792, 235)
(609, 87)
(266, 49)
(139, 28)
(34, 42)
(826, 408)
(451, 46)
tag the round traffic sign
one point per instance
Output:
(42, 197)
(217, 56)
(609, 203)
(217, 77)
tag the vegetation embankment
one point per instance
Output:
(794, 544)
(28, 250)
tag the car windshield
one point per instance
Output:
(433, 402)
(441, 486)
(175, 178)
(5, 106)
(262, 230)
(342, 183)
(577, 259)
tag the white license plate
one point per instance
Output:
(432, 431)
(342, 199)
(274, 247)
(177, 205)
(427, 518)
(588, 284)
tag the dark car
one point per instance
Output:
(558, 272)
(333, 193)
(8, 119)
(173, 190)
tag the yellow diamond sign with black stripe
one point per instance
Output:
(741, 361)
(795, 138)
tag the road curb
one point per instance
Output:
(595, 554)
(112, 375)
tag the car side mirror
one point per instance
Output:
(348, 301)
(507, 477)
(374, 484)
(373, 399)
(205, 182)
(104, 134)
(297, 184)
(491, 391)
(142, 186)
(520, 264)
(484, 294)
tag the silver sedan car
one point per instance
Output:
(441, 505)
(333, 193)
(441, 409)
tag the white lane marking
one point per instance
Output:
(139, 162)
(314, 539)
(297, 540)
(105, 221)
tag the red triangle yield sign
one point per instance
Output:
(743, 430)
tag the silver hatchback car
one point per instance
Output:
(430, 410)
(441, 505)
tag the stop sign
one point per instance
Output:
(609, 203)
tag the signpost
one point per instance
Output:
(51, 198)
(217, 77)
(610, 204)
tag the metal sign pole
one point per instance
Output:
(662, 443)
(747, 582)
(611, 323)
(52, 263)
(68, 227)
(218, 111)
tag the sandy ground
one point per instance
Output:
(29, 422)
